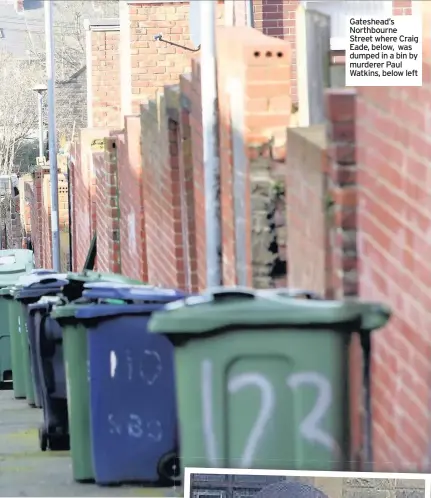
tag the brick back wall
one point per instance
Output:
(342, 192)
(306, 217)
(252, 76)
(36, 218)
(402, 7)
(161, 190)
(393, 222)
(107, 205)
(27, 205)
(277, 18)
(155, 63)
(130, 184)
(84, 193)
(273, 18)
(74, 181)
(321, 201)
(46, 221)
(105, 78)
(197, 199)
(191, 150)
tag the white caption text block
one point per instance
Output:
(384, 51)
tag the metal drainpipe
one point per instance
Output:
(210, 143)
(69, 209)
(250, 15)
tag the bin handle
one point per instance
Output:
(296, 293)
(48, 280)
(217, 295)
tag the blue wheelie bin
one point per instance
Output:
(132, 392)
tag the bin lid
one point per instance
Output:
(5, 291)
(227, 308)
(73, 289)
(124, 292)
(66, 312)
(34, 286)
(106, 310)
(291, 293)
(92, 276)
(44, 303)
(42, 271)
(14, 262)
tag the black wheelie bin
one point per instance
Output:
(48, 353)
(37, 286)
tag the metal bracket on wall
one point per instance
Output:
(159, 37)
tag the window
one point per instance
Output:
(245, 493)
(339, 10)
(256, 479)
(209, 494)
(202, 478)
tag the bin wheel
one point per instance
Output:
(43, 439)
(58, 442)
(168, 467)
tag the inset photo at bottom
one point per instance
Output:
(236, 483)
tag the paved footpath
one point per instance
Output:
(27, 471)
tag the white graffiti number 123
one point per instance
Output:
(310, 427)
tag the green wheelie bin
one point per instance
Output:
(75, 354)
(18, 315)
(262, 378)
(13, 264)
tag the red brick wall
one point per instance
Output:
(130, 184)
(162, 225)
(105, 78)
(156, 63)
(83, 181)
(259, 68)
(161, 190)
(191, 134)
(307, 252)
(46, 222)
(321, 201)
(36, 219)
(402, 7)
(107, 206)
(394, 225)
(274, 18)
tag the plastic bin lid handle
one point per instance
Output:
(222, 293)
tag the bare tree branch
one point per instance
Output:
(69, 33)
(18, 103)
(18, 108)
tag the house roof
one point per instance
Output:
(21, 31)
(18, 28)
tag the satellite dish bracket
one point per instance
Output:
(159, 37)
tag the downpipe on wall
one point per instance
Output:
(210, 132)
(52, 133)
(249, 13)
(70, 211)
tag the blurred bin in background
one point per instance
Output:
(13, 264)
